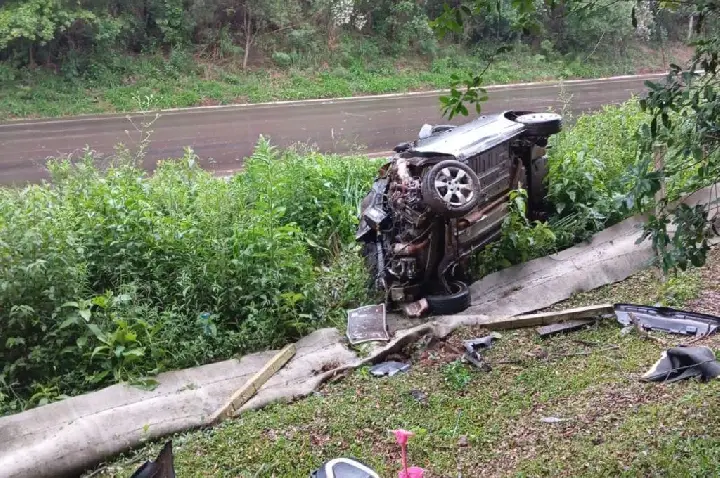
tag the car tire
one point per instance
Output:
(453, 303)
(369, 253)
(454, 180)
(541, 124)
(538, 190)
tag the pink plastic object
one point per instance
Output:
(412, 472)
(402, 437)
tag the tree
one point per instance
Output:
(261, 17)
(26, 24)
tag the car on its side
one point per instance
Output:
(444, 196)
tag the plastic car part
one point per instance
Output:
(402, 147)
(679, 363)
(425, 131)
(541, 124)
(441, 128)
(162, 467)
(453, 303)
(451, 188)
(666, 319)
(389, 368)
(344, 468)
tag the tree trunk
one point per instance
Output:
(691, 27)
(248, 37)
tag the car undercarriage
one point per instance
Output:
(443, 197)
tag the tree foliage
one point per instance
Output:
(678, 145)
(50, 31)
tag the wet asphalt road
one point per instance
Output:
(223, 136)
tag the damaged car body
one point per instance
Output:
(443, 197)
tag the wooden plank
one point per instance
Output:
(547, 318)
(251, 387)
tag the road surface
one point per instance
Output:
(223, 136)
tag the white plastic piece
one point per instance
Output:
(425, 131)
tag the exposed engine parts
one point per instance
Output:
(443, 197)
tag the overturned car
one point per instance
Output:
(445, 196)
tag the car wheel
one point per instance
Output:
(537, 195)
(451, 188)
(454, 302)
(541, 124)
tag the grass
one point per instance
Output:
(617, 426)
(115, 84)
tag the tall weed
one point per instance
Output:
(112, 275)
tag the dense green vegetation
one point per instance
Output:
(111, 276)
(114, 275)
(60, 57)
(180, 80)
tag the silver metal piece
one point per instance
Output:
(454, 186)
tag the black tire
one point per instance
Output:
(464, 193)
(452, 303)
(371, 263)
(541, 124)
(538, 206)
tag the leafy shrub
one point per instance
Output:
(520, 239)
(114, 275)
(588, 170)
(281, 59)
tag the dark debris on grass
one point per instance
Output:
(611, 423)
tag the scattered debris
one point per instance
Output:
(568, 326)
(419, 396)
(252, 386)
(680, 363)
(547, 318)
(389, 368)
(415, 310)
(367, 324)
(554, 420)
(162, 467)
(344, 467)
(475, 345)
(666, 319)
(474, 348)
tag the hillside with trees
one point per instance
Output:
(62, 57)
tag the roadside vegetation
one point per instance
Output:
(477, 423)
(181, 80)
(112, 275)
(115, 275)
(60, 57)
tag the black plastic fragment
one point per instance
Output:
(680, 363)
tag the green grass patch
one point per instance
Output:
(617, 426)
(118, 83)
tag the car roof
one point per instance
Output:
(469, 139)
